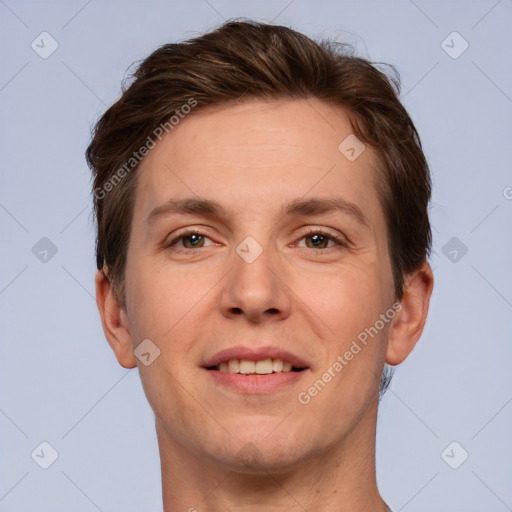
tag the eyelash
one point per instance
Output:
(335, 238)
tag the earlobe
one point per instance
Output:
(114, 321)
(409, 322)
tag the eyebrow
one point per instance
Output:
(298, 207)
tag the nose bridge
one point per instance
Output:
(254, 286)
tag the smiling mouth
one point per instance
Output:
(260, 367)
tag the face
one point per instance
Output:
(262, 276)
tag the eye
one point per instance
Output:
(190, 239)
(319, 239)
(316, 239)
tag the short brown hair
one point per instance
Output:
(249, 60)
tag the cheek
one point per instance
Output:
(164, 307)
(164, 300)
(349, 302)
(346, 299)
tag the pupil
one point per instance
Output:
(194, 239)
(317, 239)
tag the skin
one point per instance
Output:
(226, 450)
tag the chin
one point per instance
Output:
(258, 460)
(261, 450)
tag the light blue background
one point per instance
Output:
(59, 379)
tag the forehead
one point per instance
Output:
(257, 152)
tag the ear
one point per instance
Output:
(409, 321)
(114, 321)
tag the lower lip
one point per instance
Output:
(256, 384)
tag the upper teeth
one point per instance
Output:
(262, 367)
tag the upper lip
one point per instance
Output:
(255, 354)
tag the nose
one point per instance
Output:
(256, 288)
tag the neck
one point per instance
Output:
(340, 480)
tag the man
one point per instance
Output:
(263, 235)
